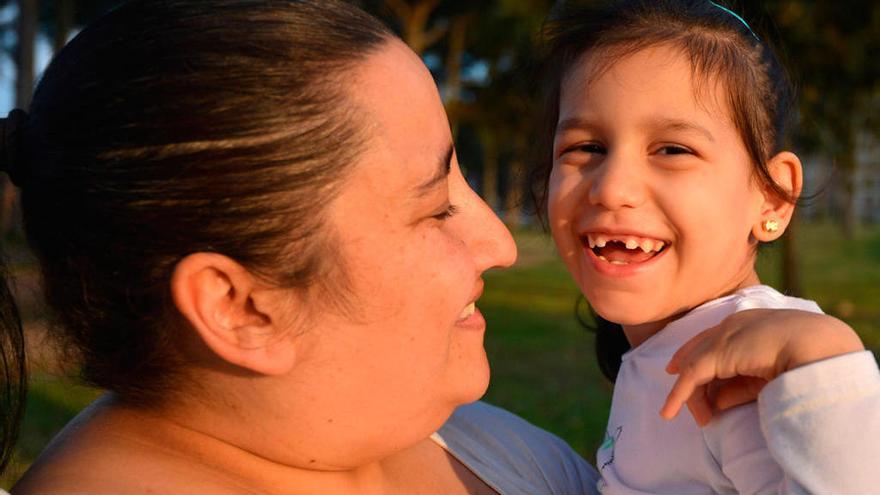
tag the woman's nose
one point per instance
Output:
(488, 238)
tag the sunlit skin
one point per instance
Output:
(345, 403)
(638, 152)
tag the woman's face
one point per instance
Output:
(415, 240)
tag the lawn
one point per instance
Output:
(542, 360)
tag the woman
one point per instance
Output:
(253, 229)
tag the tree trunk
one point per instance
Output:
(791, 275)
(24, 61)
(24, 55)
(514, 199)
(452, 88)
(413, 20)
(490, 169)
(64, 15)
(847, 169)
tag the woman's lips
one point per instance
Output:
(468, 310)
(471, 317)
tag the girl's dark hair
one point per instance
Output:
(720, 47)
(169, 127)
(13, 372)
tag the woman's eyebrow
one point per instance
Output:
(444, 165)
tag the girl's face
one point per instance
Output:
(652, 198)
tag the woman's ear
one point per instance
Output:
(239, 318)
(776, 212)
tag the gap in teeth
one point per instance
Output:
(631, 242)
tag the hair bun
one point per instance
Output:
(11, 160)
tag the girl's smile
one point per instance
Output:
(652, 198)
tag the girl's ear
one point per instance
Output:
(785, 169)
(240, 319)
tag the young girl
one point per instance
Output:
(666, 175)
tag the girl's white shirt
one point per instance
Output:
(643, 453)
(821, 421)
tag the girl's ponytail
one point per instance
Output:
(13, 367)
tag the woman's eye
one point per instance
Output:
(673, 149)
(446, 213)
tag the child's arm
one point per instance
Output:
(728, 365)
(819, 413)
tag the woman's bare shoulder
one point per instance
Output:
(104, 450)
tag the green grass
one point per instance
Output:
(542, 360)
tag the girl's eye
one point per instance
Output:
(447, 213)
(673, 149)
(589, 148)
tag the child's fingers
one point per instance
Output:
(737, 391)
(694, 375)
(699, 406)
(681, 355)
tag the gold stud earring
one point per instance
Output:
(771, 225)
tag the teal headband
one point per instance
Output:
(740, 19)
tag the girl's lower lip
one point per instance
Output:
(628, 270)
(473, 322)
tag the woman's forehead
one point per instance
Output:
(407, 129)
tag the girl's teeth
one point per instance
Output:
(646, 245)
(618, 262)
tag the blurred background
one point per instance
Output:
(480, 52)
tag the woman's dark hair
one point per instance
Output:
(169, 127)
(720, 47)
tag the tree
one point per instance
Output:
(24, 82)
(832, 50)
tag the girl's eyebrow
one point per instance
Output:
(668, 124)
(575, 123)
(658, 123)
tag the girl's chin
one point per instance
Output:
(624, 314)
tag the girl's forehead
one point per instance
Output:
(642, 64)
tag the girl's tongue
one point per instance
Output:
(616, 252)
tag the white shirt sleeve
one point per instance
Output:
(822, 424)
(740, 450)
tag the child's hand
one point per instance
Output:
(728, 365)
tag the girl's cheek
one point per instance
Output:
(562, 193)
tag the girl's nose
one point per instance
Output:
(617, 183)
